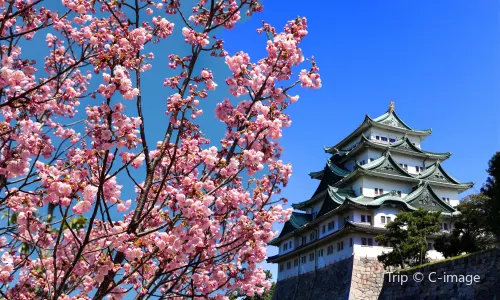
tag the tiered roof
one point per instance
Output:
(403, 146)
(389, 121)
(335, 196)
(386, 167)
(337, 200)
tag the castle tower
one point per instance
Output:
(375, 172)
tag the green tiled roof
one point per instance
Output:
(335, 169)
(317, 174)
(296, 221)
(436, 172)
(389, 120)
(423, 196)
(391, 115)
(386, 166)
(334, 198)
(403, 145)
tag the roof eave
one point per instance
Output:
(425, 132)
(353, 134)
(347, 228)
(308, 202)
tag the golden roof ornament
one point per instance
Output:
(391, 106)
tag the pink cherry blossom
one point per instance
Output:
(82, 207)
(103, 209)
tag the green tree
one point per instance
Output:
(267, 295)
(491, 189)
(407, 235)
(470, 231)
(449, 244)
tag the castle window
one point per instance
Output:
(312, 236)
(340, 246)
(303, 260)
(320, 253)
(371, 159)
(376, 191)
(370, 242)
(289, 265)
(388, 219)
(311, 256)
(331, 225)
(369, 219)
(304, 240)
(360, 191)
(350, 242)
(377, 137)
(296, 262)
(392, 140)
(429, 246)
(384, 139)
(445, 226)
(285, 247)
(329, 250)
(381, 191)
(281, 267)
(399, 193)
(382, 219)
(323, 229)
(363, 218)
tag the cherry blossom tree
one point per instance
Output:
(202, 212)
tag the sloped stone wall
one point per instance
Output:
(352, 278)
(330, 282)
(359, 278)
(486, 265)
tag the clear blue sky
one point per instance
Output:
(438, 60)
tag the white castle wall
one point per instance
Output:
(336, 219)
(370, 183)
(448, 193)
(386, 212)
(373, 132)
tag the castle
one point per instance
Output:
(375, 172)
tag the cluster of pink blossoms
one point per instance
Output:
(202, 211)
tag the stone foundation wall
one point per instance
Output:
(359, 278)
(352, 278)
(486, 265)
(330, 282)
(367, 279)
